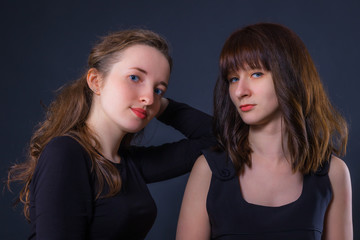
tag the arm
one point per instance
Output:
(193, 221)
(61, 192)
(188, 120)
(174, 159)
(338, 218)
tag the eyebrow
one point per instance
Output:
(140, 70)
(164, 84)
(145, 72)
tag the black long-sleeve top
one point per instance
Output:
(62, 190)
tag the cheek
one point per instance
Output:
(121, 91)
(232, 96)
(272, 100)
(268, 91)
(272, 96)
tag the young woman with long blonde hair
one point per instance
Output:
(83, 179)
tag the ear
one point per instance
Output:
(93, 80)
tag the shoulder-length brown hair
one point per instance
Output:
(68, 113)
(315, 128)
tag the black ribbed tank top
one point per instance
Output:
(231, 217)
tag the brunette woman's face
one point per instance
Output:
(130, 95)
(253, 93)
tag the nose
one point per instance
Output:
(147, 97)
(242, 88)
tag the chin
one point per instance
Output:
(135, 129)
(251, 122)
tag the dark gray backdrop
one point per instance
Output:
(44, 44)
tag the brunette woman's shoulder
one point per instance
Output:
(220, 163)
(201, 165)
(338, 219)
(338, 172)
(340, 178)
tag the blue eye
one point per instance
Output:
(158, 91)
(134, 78)
(234, 79)
(257, 74)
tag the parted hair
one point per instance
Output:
(68, 113)
(315, 128)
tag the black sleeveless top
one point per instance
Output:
(231, 217)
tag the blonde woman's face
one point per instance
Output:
(130, 95)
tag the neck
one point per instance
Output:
(108, 135)
(269, 142)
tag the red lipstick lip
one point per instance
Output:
(141, 113)
(246, 107)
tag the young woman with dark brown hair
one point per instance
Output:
(83, 179)
(274, 173)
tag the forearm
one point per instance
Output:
(188, 120)
(170, 160)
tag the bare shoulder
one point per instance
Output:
(338, 219)
(340, 180)
(339, 173)
(200, 175)
(193, 221)
(201, 166)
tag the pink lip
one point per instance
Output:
(247, 107)
(141, 113)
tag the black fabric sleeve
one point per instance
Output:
(170, 160)
(61, 191)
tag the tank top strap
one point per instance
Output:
(220, 164)
(324, 168)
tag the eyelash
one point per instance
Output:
(159, 92)
(233, 79)
(255, 75)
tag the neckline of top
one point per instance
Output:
(272, 207)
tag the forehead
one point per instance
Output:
(245, 68)
(142, 53)
(144, 57)
(237, 61)
(243, 50)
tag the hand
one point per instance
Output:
(163, 106)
